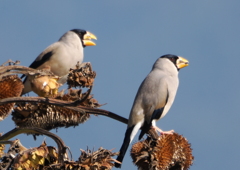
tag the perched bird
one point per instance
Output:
(62, 55)
(153, 99)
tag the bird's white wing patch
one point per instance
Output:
(154, 122)
(135, 130)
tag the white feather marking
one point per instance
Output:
(44, 84)
(154, 122)
(140, 112)
(135, 130)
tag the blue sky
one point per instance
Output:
(131, 36)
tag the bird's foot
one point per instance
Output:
(170, 132)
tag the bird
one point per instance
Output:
(62, 55)
(153, 100)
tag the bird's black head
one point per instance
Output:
(171, 57)
(179, 62)
(85, 37)
(79, 32)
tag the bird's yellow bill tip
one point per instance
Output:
(182, 62)
(87, 39)
(88, 43)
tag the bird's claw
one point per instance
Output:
(170, 132)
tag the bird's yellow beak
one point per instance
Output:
(182, 62)
(87, 39)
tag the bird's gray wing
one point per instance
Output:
(158, 112)
(155, 112)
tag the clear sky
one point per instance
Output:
(131, 36)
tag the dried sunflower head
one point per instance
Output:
(10, 86)
(50, 116)
(46, 116)
(83, 76)
(168, 152)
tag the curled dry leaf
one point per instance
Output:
(44, 83)
(168, 152)
(99, 160)
(45, 86)
(10, 86)
(15, 148)
(36, 157)
(2, 148)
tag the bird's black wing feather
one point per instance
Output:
(124, 146)
(41, 59)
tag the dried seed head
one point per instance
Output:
(10, 86)
(168, 152)
(50, 116)
(47, 116)
(83, 76)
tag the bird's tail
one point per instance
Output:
(124, 147)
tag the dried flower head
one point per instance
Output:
(83, 76)
(168, 152)
(48, 117)
(10, 86)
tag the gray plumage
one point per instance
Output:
(154, 98)
(62, 55)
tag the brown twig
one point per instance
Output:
(14, 69)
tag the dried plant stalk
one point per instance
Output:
(168, 152)
(10, 86)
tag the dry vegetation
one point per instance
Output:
(54, 109)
